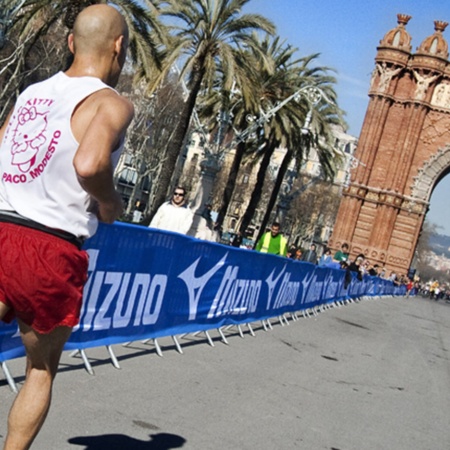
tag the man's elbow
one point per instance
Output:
(87, 169)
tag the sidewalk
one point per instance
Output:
(373, 375)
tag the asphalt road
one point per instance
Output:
(371, 375)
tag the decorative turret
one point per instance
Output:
(432, 53)
(398, 37)
(395, 47)
(435, 45)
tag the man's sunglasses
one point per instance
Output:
(179, 194)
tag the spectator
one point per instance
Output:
(374, 270)
(342, 254)
(357, 266)
(174, 215)
(272, 242)
(291, 252)
(326, 258)
(310, 255)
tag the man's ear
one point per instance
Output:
(118, 44)
(70, 43)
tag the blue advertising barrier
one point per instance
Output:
(145, 283)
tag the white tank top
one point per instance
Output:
(38, 179)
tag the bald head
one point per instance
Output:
(97, 28)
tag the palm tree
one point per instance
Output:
(286, 128)
(238, 106)
(318, 135)
(34, 22)
(146, 32)
(205, 33)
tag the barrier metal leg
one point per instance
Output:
(241, 333)
(177, 345)
(87, 364)
(222, 336)
(280, 318)
(250, 329)
(269, 324)
(196, 333)
(9, 378)
(286, 319)
(210, 341)
(114, 360)
(157, 347)
(263, 323)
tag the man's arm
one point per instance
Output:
(283, 246)
(92, 161)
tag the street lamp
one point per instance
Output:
(313, 95)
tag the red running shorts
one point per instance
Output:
(41, 278)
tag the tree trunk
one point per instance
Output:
(276, 190)
(231, 182)
(257, 190)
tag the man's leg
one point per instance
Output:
(3, 310)
(31, 406)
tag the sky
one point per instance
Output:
(346, 33)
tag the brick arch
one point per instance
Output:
(432, 171)
(403, 152)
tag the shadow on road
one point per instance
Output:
(160, 441)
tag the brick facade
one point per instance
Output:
(403, 150)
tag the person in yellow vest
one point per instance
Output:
(272, 242)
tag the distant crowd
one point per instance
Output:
(274, 242)
(175, 215)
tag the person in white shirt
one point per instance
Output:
(174, 215)
(56, 160)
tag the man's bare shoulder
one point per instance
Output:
(108, 98)
(104, 108)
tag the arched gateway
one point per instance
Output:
(403, 150)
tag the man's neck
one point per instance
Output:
(89, 68)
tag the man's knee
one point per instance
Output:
(44, 350)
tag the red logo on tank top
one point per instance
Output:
(31, 143)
